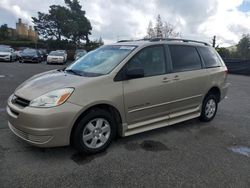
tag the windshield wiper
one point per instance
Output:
(73, 71)
(63, 69)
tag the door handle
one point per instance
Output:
(165, 80)
(176, 78)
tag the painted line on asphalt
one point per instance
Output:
(242, 150)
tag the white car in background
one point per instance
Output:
(65, 54)
(57, 57)
(7, 54)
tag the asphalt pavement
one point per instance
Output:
(189, 154)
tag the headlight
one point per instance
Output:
(53, 98)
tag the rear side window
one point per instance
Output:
(184, 58)
(210, 57)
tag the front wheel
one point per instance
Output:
(209, 108)
(94, 132)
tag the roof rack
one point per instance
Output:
(166, 39)
(178, 39)
(125, 41)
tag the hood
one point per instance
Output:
(5, 53)
(48, 81)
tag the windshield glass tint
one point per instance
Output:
(56, 53)
(5, 50)
(101, 61)
(30, 52)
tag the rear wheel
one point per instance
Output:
(209, 108)
(94, 132)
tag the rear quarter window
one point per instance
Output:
(209, 57)
(184, 58)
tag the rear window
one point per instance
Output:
(210, 57)
(184, 58)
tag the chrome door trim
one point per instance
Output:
(165, 103)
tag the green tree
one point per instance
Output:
(51, 25)
(161, 29)
(170, 31)
(150, 30)
(224, 52)
(63, 22)
(79, 27)
(243, 47)
(4, 32)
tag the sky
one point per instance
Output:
(128, 19)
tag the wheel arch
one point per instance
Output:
(108, 107)
(216, 91)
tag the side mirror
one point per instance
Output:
(134, 73)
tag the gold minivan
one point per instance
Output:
(119, 90)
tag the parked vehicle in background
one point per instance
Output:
(56, 57)
(7, 54)
(18, 54)
(119, 89)
(65, 54)
(79, 54)
(30, 55)
(44, 54)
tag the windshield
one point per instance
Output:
(56, 53)
(101, 61)
(29, 52)
(5, 50)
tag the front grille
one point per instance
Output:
(20, 101)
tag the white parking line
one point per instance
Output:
(2, 76)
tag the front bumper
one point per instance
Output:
(5, 58)
(28, 59)
(43, 127)
(55, 60)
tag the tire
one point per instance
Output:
(97, 137)
(209, 108)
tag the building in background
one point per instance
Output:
(23, 31)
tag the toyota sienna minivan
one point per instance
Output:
(119, 90)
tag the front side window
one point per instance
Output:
(210, 57)
(101, 61)
(150, 59)
(184, 58)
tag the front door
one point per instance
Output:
(144, 98)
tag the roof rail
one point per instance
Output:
(125, 41)
(177, 39)
(165, 39)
